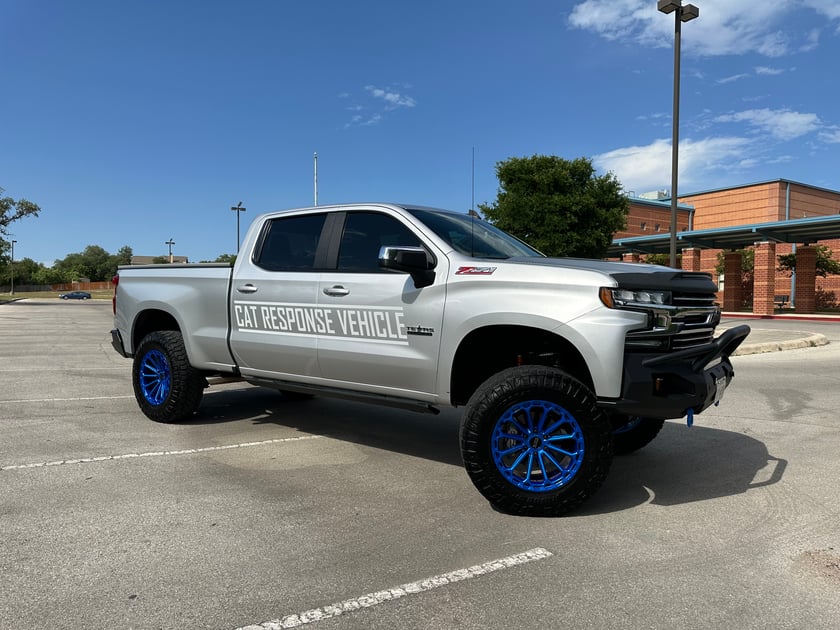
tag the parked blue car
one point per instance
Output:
(75, 295)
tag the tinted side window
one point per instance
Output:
(290, 244)
(364, 234)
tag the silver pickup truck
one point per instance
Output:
(560, 363)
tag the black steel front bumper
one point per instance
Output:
(672, 385)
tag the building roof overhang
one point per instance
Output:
(807, 230)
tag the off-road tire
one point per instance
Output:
(167, 388)
(630, 434)
(529, 415)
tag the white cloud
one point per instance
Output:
(764, 70)
(830, 136)
(811, 41)
(828, 8)
(733, 78)
(723, 28)
(643, 168)
(377, 101)
(394, 99)
(782, 124)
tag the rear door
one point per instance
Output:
(274, 320)
(386, 332)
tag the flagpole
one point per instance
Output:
(315, 157)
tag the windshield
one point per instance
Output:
(472, 237)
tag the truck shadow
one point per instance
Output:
(432, 437)
(685, 465)
(680, 466)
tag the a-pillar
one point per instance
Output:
(764, 278)
(806, 279)
(690, 260)
(733, 296)
(630, 257)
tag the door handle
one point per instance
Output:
(337, 291)
(246, 288)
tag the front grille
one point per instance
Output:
(691, 338)
(697, 322)
(693, 317)
(693, 300)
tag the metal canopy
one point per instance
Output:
(807, 230)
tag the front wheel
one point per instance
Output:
(166, 386)
(534, 441)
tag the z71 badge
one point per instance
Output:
(475, 271)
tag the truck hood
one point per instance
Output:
(630, 275)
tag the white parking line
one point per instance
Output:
(412, 588)
(126, 368)
(188, 451)
(41, 400)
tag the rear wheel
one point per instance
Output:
(534, 442)
(166, 386)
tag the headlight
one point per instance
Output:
(622, 298)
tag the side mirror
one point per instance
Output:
(415, 261)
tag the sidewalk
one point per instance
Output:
(763, 340)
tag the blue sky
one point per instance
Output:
(131, 122)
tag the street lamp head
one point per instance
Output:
(689, 12)
(668, 6)
(685, 13)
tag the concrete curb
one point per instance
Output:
(811, 341)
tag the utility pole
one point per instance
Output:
(170, 242)
(12, 265)
(237, 209)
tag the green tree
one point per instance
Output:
(662, 259)
(50, 275)
(558, 206)
(826, 264)
(25, 272)
(124, 255)
(223, 258)
(11, 210)
(93, 263)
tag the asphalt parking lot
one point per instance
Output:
(282, 513)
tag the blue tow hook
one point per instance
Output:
(690, 418)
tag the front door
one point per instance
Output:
(386, 333)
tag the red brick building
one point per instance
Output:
(780, 215)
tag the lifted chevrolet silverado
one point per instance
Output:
(559, 363)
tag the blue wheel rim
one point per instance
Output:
(537, 446)
(155, 377)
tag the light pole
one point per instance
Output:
(12, 266)
(681, 14)
(170, 242)
(237, 209)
